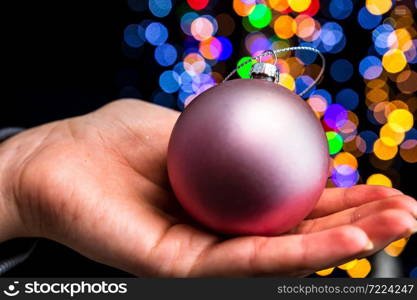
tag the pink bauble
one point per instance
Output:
(248, 157)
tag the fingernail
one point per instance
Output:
(369, 246)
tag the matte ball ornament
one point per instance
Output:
(248, 157)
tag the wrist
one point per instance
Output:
(9, 216)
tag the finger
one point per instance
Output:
(387, 226)
(288, 255)
(337, 199)
(350, 216)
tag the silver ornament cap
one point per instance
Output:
(265, 71)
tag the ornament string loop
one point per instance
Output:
(266, 53)
(275, 54)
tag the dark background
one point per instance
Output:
(64, 58)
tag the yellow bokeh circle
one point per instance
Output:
(400, 120)
(394, 61)
(378, 7)
(379, 179)
(299, 5)
(395, 248)
(383, 151)
(348, 265)
(391, 137)
(287, 81)
(361, 269)
(325, 272)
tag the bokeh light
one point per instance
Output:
(335, 116)
(169, 81)
(156, 33)
(203, 28)
(370, 67)
(348, 98)
(132, 36)
(197, 4)
(325, 272)
(344, 176)
(345, 158)
(335, 142)
(244, 8)
(332, 38)
(340, 9)
(299, 5)
(378, 7)
(400, 120)
(244, 72)
(210, 48)
(368, 20)
(396, 248)
(341, 70)
(349, 265)
(365, 141)
(285, 27)
(383, 151)
(394, 61)
(160, 8)
(361, 269)
(166, 55)
(286, 80)
(260, 16)
(379, 179)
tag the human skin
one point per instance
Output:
(98, 184)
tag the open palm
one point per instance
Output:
(98, 184)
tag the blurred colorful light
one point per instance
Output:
(340, 9)
(166, 55)
(299, 5)
(244, 72)
(244, 7)
(156, 33)
(378, 7)
(348, 98)
(370, 67)
(260, 16)
(132, 37)
(285, 27)
(341, 70)
(160, 8)
(344, 176)
(379, 179)
(394, 61)
(197, 4)
(368, 20)
(169, 81)
(335, 142)
(203, 28)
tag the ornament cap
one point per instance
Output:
(265, 71)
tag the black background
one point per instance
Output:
(64, 58)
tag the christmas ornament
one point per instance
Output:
(249, 156)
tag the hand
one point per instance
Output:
(98, 184)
